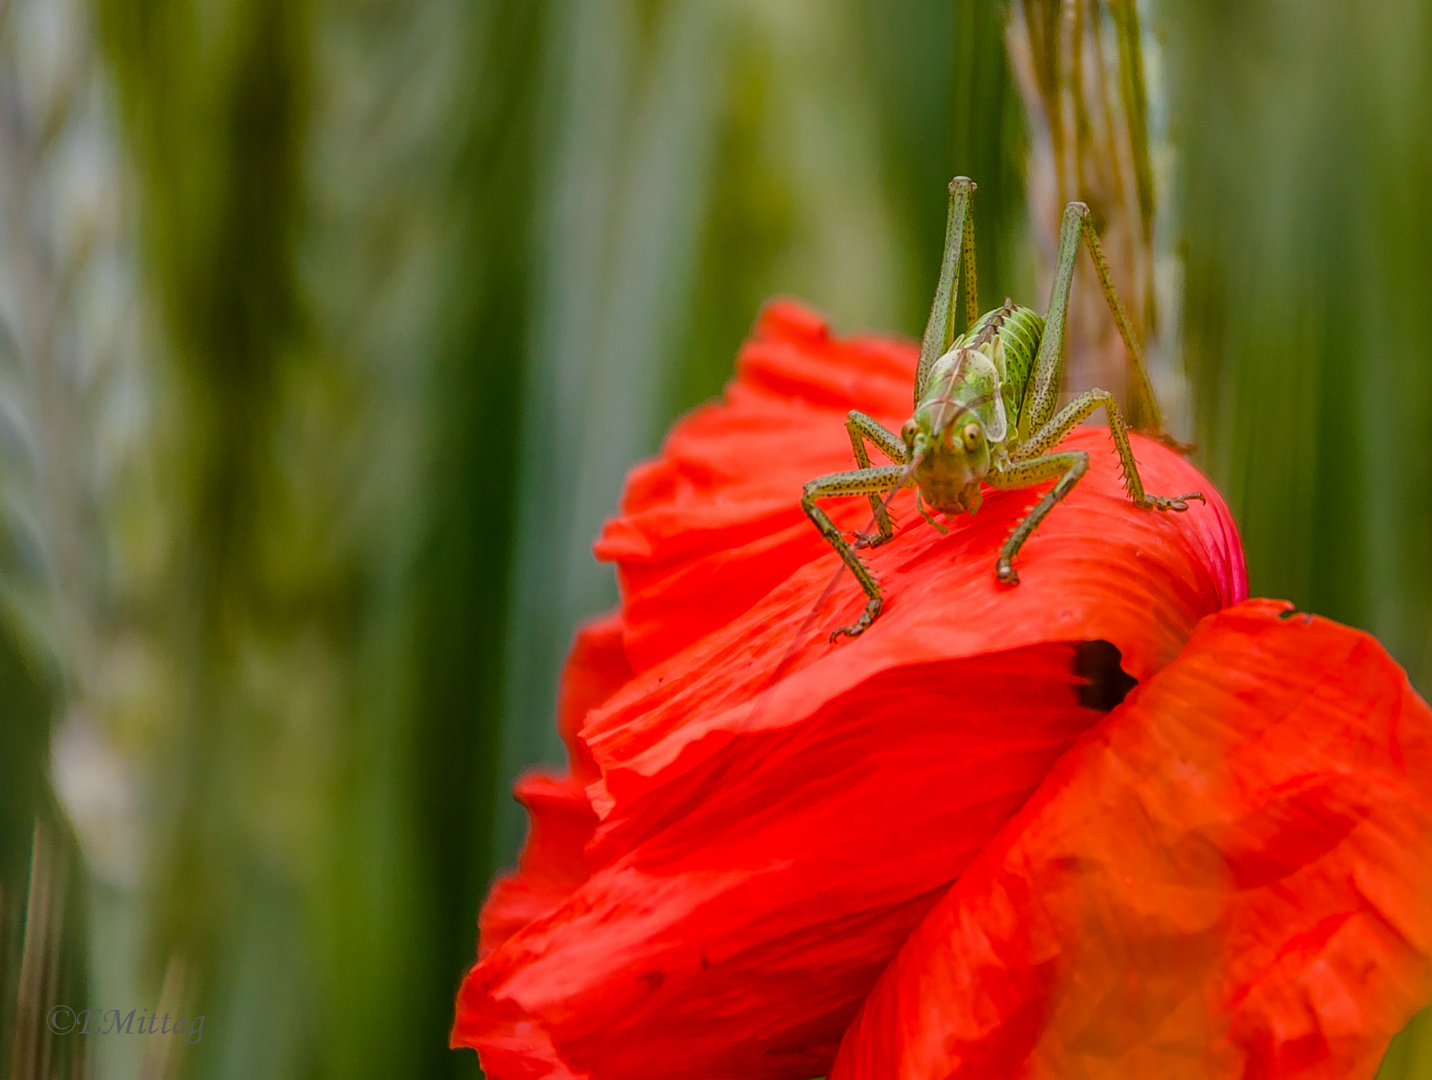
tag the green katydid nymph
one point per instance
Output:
(985, 409)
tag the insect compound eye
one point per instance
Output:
(971, 436)
(909, 431)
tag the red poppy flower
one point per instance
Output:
(936, 843)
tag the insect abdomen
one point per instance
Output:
(1020, 329)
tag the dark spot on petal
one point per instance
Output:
(1106, 683)
(705, 963)
(654, 979)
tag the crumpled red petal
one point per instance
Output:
(1098, 569)
(739, 939)
(776, 813)
(596, 669)
(561, 819)
(552, 863)
(713, 524)
(1229, 877)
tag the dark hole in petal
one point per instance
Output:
(1106, 683)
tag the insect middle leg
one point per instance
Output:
(873, 481)
(1030, 463)
(861, 427)
(1054, 432)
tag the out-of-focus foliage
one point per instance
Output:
(331, 327)
(332, 203)
(62, 273)
(698, 157)
(1306, 140)
(1081, 69)
(1305, 132)
(411, 285)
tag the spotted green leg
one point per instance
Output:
(1039, 403)
(1032, 460)
(873, 482)
(959, 255)
(863, 428)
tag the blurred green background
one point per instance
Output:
(328, 329)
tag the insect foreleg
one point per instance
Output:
(861, 427)
(1054, 432)
(959, 250)
(1068, 466)
(879, 479)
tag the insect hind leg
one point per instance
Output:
(959, 253)
(1143, 402)
(1039, 402)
